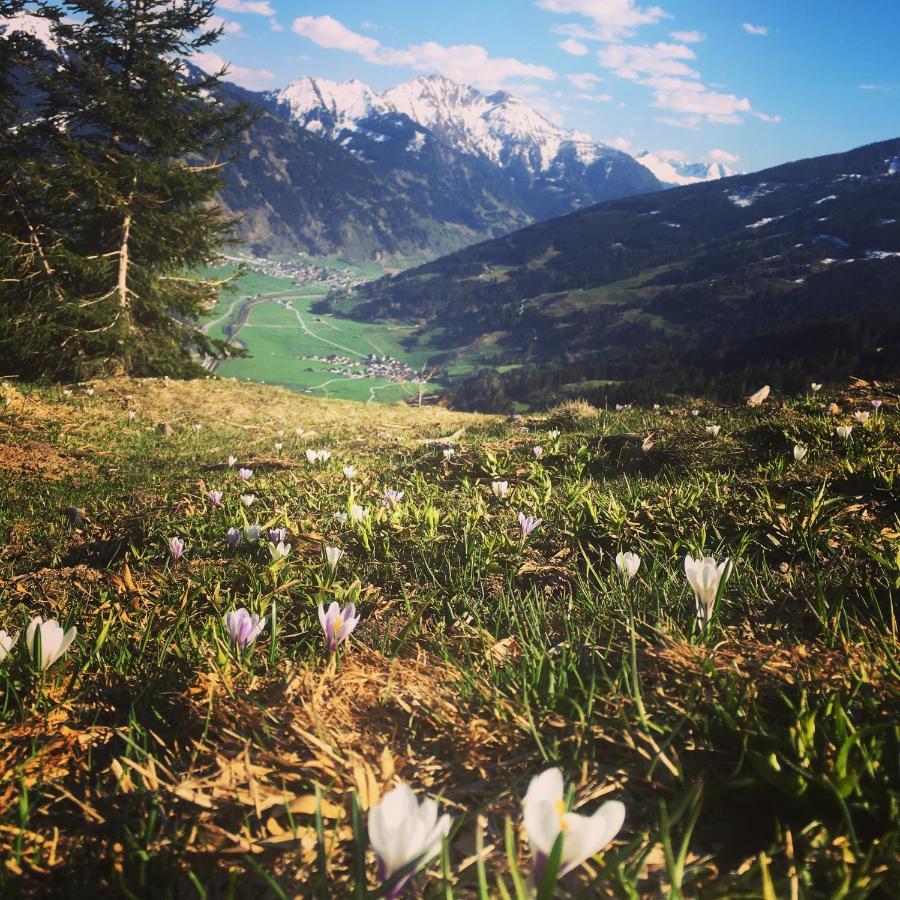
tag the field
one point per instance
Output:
(282, 335)
(753, 749)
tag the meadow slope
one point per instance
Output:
(756, 755)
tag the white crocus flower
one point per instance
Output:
(247, 500)
(231, 461)
(54, 641)
(844, 431)
(6, 643)
(312, 457)
(449, 453)
(545, 816)
(349, 472)
(861, 416)
(278, 446)
(358, 513)
(500, 488)
(758, 398)
(713, 430)
(799, 452)
(554, 434)
(403, 830)
(628, 563)
(333, 556)
(279, 551)
(815, 388)
(705, 575)
(252, 533)
(324, 456)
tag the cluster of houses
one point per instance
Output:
(371, 366)
(302, 273)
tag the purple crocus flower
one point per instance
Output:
(234, 537)
(876, 404)
(176, 548)
(215, 497)
(277, 535)
(245, 474)
(337, 624)
(528, 524)
(243, 628)
(538, 452)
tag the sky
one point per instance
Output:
(750, 84)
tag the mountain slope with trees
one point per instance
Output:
(779, 276)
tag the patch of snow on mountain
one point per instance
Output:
(36, 26)
(826, 199)
(887, 221)
(763, 222)
(881, 254)
(748, 196)
(893, 166)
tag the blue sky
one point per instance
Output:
(755, 83)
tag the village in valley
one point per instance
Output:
(371, 366)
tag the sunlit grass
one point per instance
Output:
(168, 753)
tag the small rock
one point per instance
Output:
(165, 429)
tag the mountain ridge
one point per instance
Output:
(673, 288)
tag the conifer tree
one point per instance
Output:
(134, 139)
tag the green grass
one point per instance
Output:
(280, 348)
(756, 757)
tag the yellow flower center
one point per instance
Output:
(561, 813)
(338, 622)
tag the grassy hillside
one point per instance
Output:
(756, 756)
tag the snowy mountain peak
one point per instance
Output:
(673, 167)
(499, 127)
(330, 107)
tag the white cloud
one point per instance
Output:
(676, 84)
(723, 156)
(573, 47)
(613, 19)
(596, 98)
(328, 32)
(758, 30)
(776, 120)
(584, 80)
(634, 62)
(879, 87)
(469, 63)
(691, 124)
(275, 25)
(252, 79)
(255, 7)
(709, 105)
(226, 26)
(620, 143)
(687, 37)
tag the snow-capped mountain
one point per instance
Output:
(554, 171)
(498, 127)
(674, 168)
